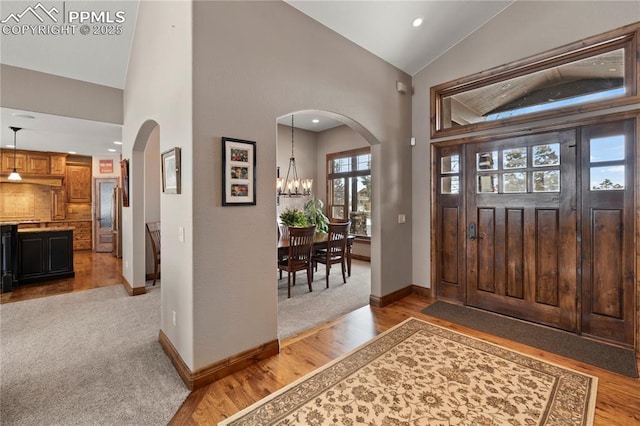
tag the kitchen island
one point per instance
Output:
(44, 254)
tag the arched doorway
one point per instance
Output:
(315, 138)
(145, 188)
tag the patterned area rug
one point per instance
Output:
(420, 374)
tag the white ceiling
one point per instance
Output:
(381, 27)
(46, 132)
(384, 27)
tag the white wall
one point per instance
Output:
(158, 92)
(523, 29)
(254, 62)
(30, 90)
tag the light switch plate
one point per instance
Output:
(181, 234)
(402, 218)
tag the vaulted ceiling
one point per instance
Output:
(381, 27)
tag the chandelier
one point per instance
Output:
(15, 176)
(292, 185)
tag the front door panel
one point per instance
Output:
(521, 247)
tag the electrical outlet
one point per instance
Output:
(174, 318)
(126, 264)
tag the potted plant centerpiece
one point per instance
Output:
(294, 218)
(315, 216)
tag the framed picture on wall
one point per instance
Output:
(171, 171)
(124, 175)
(238, 172)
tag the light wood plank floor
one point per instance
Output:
(618, 401)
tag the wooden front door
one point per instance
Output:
(541, 227)
(103, 208)
(521, 228)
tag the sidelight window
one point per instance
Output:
(606, 156)
(450, 174)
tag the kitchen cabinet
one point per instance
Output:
(58, 164)
(78, 183)
(7, 162)
(82, 235)
(58, 209)
(37, 164)
(44, 254)
(82, 238)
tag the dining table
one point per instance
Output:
(319, 242)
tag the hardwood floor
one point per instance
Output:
(92, 270)
(618, 401)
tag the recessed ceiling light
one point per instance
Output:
(11, 145)
(315, 120)
(117, 142)
(72, 152)
(417, 21)
(21, 115)
(613, 69)
(112, 150)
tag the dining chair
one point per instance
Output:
(336, 249)
(299, 255)
(153, 229)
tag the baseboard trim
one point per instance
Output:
(360, 257)
(390, 298)
(202, 377)
(421, 291)
(383, 301)
(132, 291)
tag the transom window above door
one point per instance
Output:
(588, 75)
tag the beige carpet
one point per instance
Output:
(86, 358)
(307, 309)
(421, 374)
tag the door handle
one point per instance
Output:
(472, 231)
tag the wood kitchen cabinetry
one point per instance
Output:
(33, 163)
(58, 164)
(58, 208)
(78, 183)
(55, 192)
(78, 200)
(81, 232)
(7, 161)
(37, 164)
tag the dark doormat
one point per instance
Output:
(612, 358)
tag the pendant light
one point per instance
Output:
(292, 185)
(14, 176)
